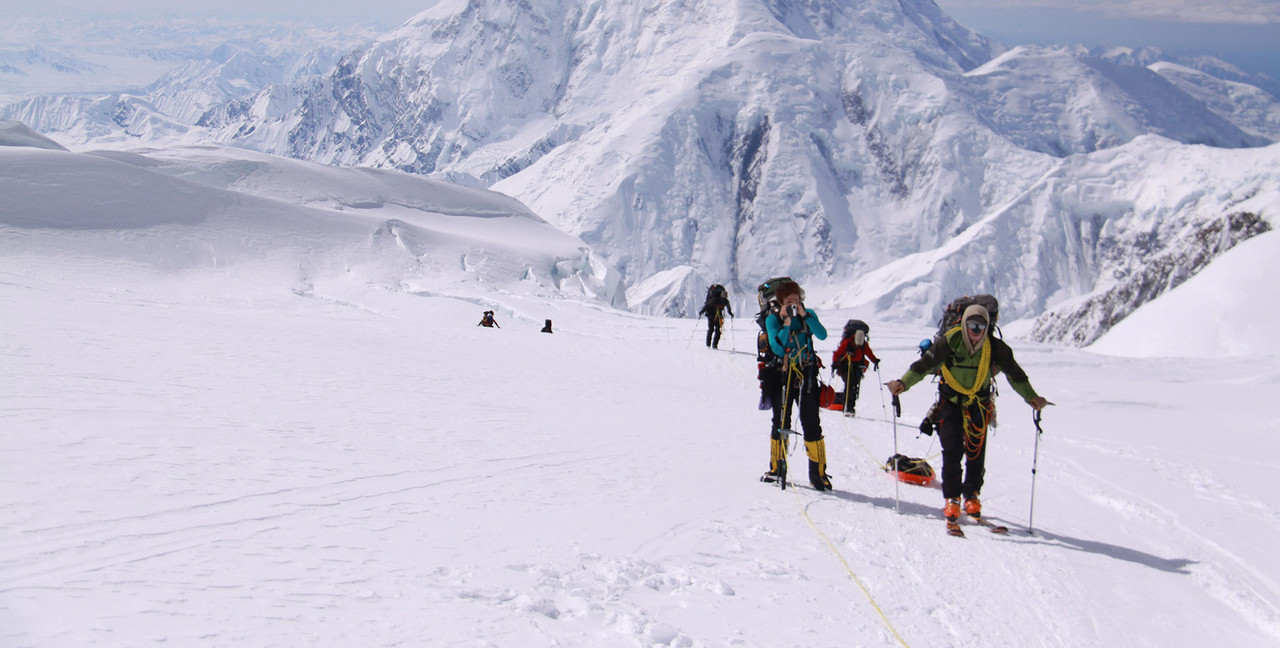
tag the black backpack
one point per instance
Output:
(765, 294)
(955, 310)
(853, 326)
(717, 295)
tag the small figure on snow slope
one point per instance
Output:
(717, 302)
(790, 329)
(851, 360)
(487, 321)
(969, 359)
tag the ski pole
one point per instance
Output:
(897, 468)
(1035, 459)
(848, 373)
(786, 427)
(880, 379)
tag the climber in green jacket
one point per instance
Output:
(969, 359)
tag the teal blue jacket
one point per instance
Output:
(795, 343)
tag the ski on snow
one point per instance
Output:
(953, 526)
(991, 526)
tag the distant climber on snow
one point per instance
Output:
(717, 302)
(487, 321)
(851, 360)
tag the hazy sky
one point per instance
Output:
(1257, 12)
(1216, 11)
(370, 8)
(1243, 32)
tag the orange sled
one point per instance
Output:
(910, 470)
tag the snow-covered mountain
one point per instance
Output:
(726, 141)
(1256, 112)
(1213, 67)
(731, 137)
(1093, 239)
(131, 79)
(171, 108)
(744, 140)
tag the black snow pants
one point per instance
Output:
(715, 322)
(803, 394)
(964, 454)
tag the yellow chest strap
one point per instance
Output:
(984, 367)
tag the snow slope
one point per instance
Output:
(1224, 311)
(211, 207)
(16, 133)
(209, 450)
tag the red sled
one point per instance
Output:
(910, 470)
(829, 398)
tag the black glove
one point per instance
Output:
(926, 427)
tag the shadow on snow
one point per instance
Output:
(1038, 536)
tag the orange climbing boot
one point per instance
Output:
(972, 507)
(952, 510)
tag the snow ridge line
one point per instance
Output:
(849, 570)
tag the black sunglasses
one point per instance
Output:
(976, 326)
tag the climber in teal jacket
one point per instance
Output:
(791, 331)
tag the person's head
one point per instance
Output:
(859, 337)
(789, 293)
(975, 323)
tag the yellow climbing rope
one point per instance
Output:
(984, 366)
(974, 435)
(830, 545)
(849, 570)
